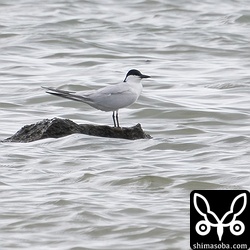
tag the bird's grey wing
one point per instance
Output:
(113, 89)
(67, 94)
(112, 98)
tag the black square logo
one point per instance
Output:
(219, 219)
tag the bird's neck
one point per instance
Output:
(135, 85)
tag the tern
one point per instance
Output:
(109, 98)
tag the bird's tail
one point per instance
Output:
(67, 94)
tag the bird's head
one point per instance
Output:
(134, 74)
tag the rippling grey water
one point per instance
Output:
(81, 192)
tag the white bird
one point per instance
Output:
(109, 98)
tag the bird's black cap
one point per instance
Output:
(135, 72)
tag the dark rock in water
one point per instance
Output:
(56, 128)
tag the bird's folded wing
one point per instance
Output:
(113, 90)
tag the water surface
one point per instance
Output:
(82, 192)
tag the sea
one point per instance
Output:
(83, 192)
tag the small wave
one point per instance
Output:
(225, 85)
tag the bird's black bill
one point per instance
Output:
(144, 76)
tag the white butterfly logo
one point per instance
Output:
(203, 227)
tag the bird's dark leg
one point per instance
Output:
(117, 121)
(113, 116)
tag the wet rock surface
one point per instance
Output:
(56, 128)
